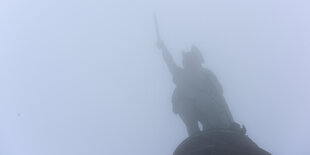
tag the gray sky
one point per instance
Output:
(84, 77)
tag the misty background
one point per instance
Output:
(85, 77)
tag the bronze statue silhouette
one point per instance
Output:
(198, 96)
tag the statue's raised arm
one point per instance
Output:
(172, 66)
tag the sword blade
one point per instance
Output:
(157, 27)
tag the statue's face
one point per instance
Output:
(190, 60)
(193, 58)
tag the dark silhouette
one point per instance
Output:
(198, 96)
(219, 142)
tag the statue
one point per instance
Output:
(198, 96)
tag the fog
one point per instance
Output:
(85, 77)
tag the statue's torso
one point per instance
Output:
(195, 83)
(197, 87)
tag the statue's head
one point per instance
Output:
(193, 58)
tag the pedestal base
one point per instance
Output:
(219, 142)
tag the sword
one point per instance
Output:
(157, 28)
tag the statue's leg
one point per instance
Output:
(216, 118)
(203, 111)
(204, 123)
(190, 119)
(212, 114)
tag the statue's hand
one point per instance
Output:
(160, 44)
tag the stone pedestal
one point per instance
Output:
(219, 142)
